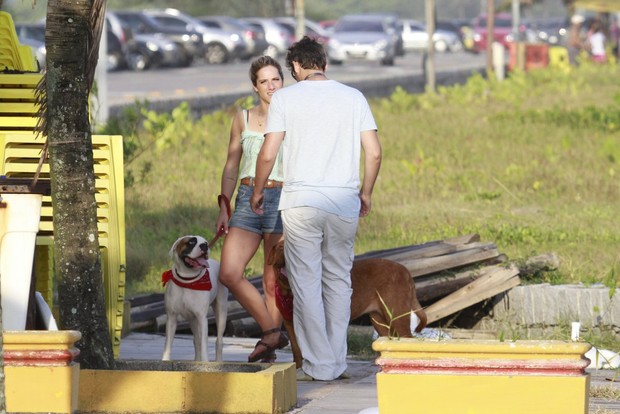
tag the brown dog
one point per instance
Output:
(373, 281)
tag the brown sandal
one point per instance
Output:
(269, 349)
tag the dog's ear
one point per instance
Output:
(276, 255)
(174, 247)
(272, 256)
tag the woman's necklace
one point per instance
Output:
(261, 119)
(312, 75)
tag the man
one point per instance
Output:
(575, 43)
(322, 125)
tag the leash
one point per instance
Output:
(220, 231)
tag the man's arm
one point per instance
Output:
(264, 164)
(372, 164)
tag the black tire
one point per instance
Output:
(216, 54)
(138, 61)
(115, 62)
(335, 62)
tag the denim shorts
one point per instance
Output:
(244, 218)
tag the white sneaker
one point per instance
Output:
(302, 376)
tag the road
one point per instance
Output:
(203, 80)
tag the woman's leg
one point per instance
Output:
(239, 247)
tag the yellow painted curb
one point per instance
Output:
(189, 387)
(482, 377)
(40, 374)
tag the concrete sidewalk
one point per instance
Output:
(351, 396)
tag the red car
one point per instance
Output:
(502, 31)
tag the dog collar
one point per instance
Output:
(203, 283)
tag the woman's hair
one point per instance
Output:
(260, 63)
(309, 53)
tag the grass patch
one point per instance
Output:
(606, 392)
(359, 344)
(531, 163)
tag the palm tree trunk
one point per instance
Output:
(2, 377)
(69, 42)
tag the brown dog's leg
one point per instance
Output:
(290, 329)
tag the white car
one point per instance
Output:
(415, 37)
(362, 37)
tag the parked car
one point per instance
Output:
(33, 35)
(362, 37)
(254, 36)
(328, 25)
(395, 28)
(415, 37)
(117, 52)
(550, 31)
(189, 41)
(220, 46)
(502, 31)
(278, 37)
(311, 29)
(144, 50)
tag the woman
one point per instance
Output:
(246, 230)
(597, 40)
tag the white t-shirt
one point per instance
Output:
(597, 44)
(322, 121)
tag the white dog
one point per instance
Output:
(191, 287)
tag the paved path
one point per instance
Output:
(352, 396)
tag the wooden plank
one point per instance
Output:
(497, 279)
(439, 249)
(397, 250)
(464, 239)
(429, 249)
(430, 288)
(429, 265)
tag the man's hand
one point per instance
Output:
(365, 205)
(256, 201)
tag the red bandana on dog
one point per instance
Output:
(204, 283)
(284, 302)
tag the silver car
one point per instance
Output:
(278, 37)
(254, 36)
(415, 38)
(221, 46)
(362, 37)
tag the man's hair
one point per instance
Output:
(309, 53)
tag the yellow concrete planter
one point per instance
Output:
(481, 377)
(150, 386)
(40, 373)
